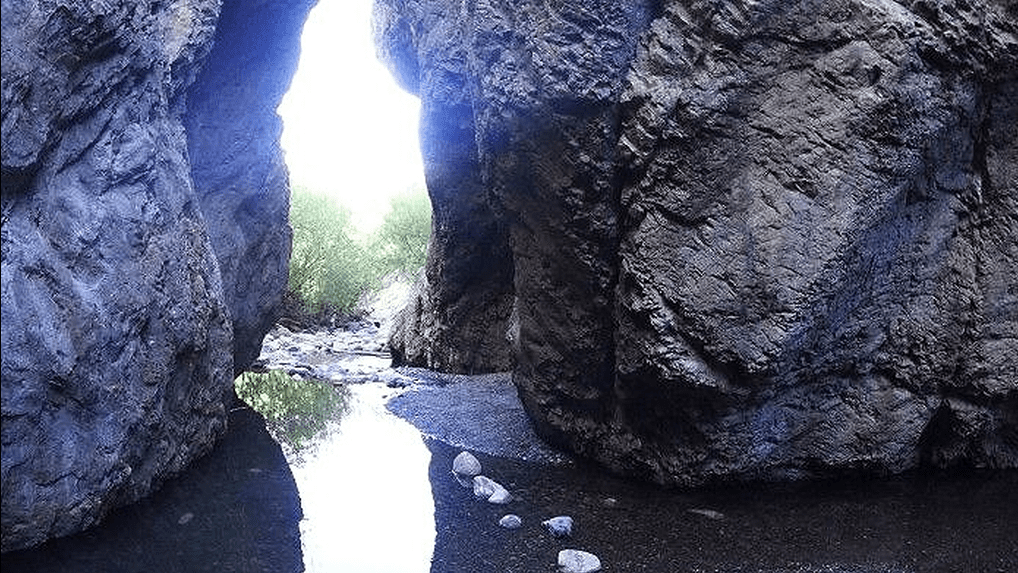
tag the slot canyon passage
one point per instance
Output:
(714, 242)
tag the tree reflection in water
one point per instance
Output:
(296, 410)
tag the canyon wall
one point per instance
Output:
(458, 317)
(236, 163)
(750, 240)
(144, 240)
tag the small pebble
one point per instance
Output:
(575, 561)
(561, 526)
(500, 496)
(490, 490)
(708, 513)
(510, 521)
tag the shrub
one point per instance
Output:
(295, 410)
(328, 267)
(402, 240)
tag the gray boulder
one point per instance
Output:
(750, 240)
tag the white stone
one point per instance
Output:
(500, 496)
(490, 490)
(465, 464)
(510, 521)
(575, 561)
(561, 526)
(708, 513)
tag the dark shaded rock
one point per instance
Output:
(458, 318)
(814, 260)
(116, 339)
(118, 347)
(236, 163)
(750, 239)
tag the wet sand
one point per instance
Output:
(915, 523)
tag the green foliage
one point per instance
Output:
(295, 410)
(331, 269)
(328, 267)
(402, 240)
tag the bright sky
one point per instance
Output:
(349, 129)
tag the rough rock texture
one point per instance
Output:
(458, 319)
(750, 239)
(818, 261)
(236, 163)
(117, 338)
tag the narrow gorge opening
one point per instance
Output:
(608, 259)
(359, 208)
(361, 219)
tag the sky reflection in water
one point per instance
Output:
(363, 476)
(363, 482)
(369, 507)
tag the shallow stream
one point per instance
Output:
(371, 464)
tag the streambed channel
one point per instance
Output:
(354, 475)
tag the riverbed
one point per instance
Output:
(365, 485)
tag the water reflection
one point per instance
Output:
(363, 482)
(234, 510)
(297, 411)
(377, 498)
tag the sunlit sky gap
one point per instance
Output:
(349, 130)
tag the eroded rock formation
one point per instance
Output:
(236, 164)
(749, 239)
(123, 179)
(458, 319)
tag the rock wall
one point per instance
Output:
(119, 321)
(750, 240)
(458, 317)
(236, 164)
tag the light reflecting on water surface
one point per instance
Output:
(369, 507)
(365, 493)
(297, 411)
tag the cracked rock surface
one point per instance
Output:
(145, 241)
(750, 240)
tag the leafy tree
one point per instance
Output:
(327, 265)
(295, 410)
(402, 240)
(331, 269)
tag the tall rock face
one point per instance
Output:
(117, 332)
(750, 240)
(816, 269)
(459, 316)
(237, 166)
